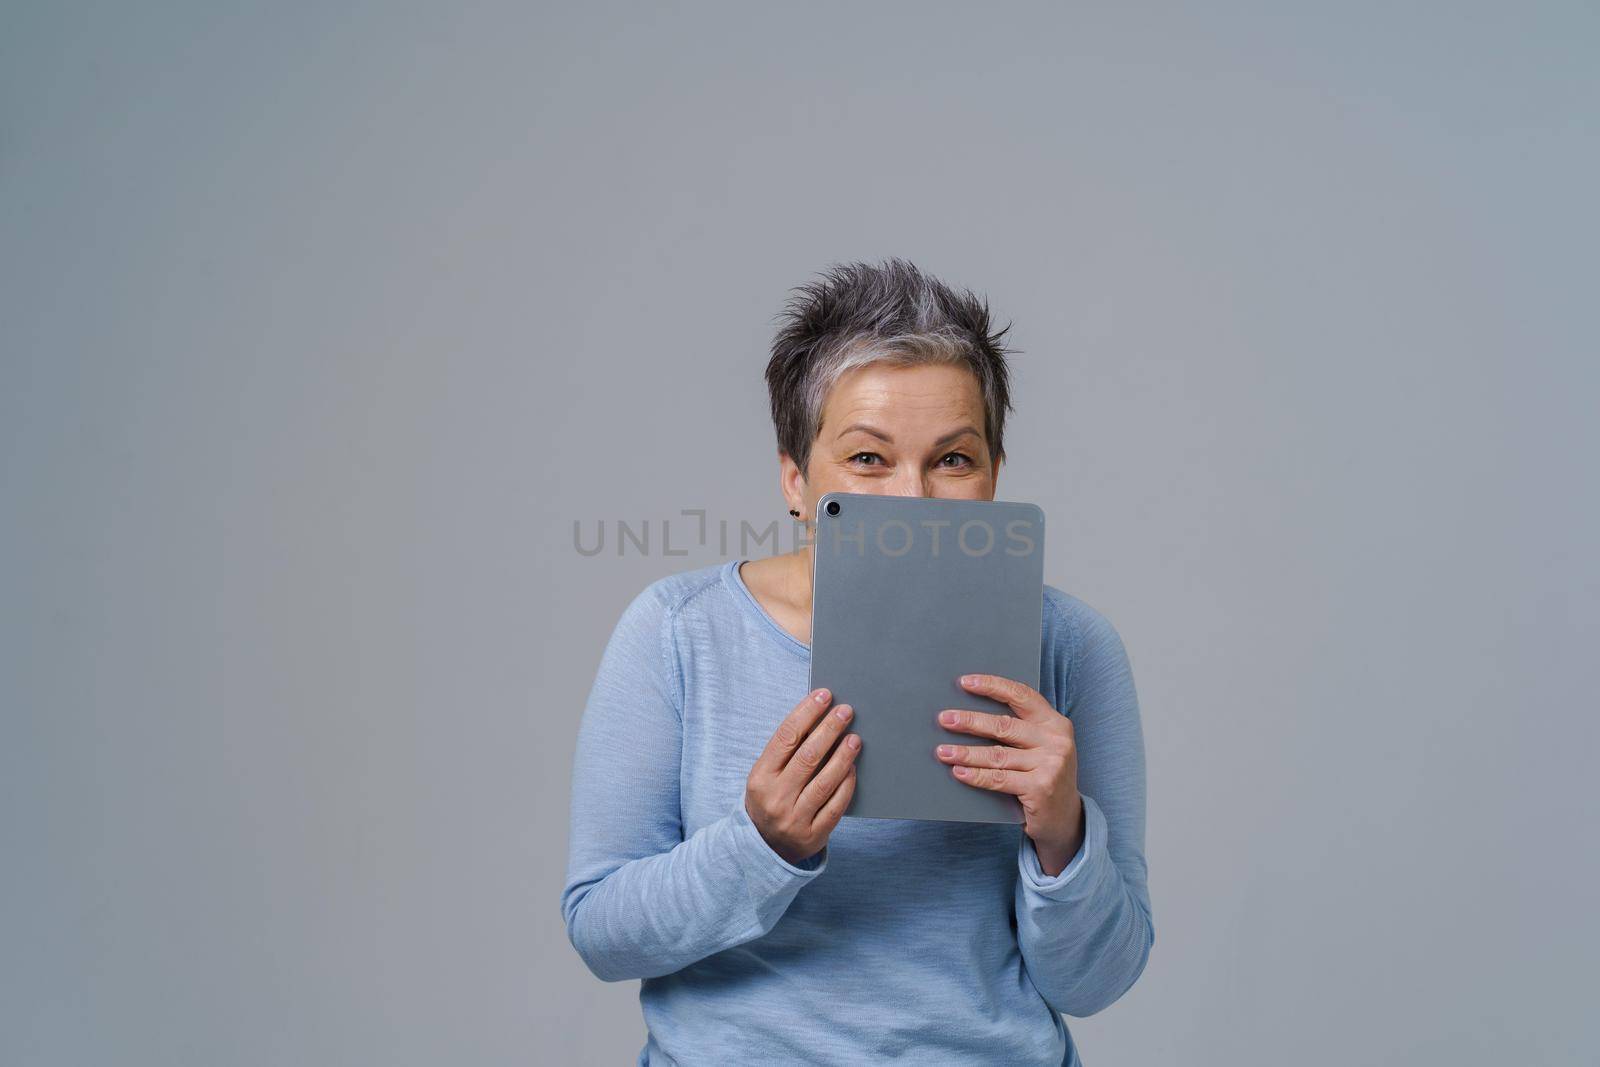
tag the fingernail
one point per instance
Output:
(820, 696)
(843, 711)
(962, 772)
(969, 679)
(947, 750)
(947, 717)
(853, 741)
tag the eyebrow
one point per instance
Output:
(880, 435)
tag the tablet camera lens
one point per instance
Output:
(833, 507)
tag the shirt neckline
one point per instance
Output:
(735, 580)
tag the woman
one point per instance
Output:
(707, 853)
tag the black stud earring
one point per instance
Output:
(795, 513)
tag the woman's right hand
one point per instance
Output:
(797, 793)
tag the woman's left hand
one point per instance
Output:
(1036, 760)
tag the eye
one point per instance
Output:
(866, 459)
(961, 458)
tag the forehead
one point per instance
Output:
(888, 394)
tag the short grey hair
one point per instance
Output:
(862, 313)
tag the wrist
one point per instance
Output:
(1055, 854)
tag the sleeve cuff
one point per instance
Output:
(1065, 885)
(766, 863)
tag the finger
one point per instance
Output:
(821, 787)
(1003, 757)
(1007, 728)
(1025, 700)
(1014, 782)
(829, 816)
(792, 730)
(814, 750)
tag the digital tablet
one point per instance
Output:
(908, 594)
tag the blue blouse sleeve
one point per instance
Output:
(639, 900)
(1086, 933)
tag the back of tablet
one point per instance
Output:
(910, 593)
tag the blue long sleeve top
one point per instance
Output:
(938, 942)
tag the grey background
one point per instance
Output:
(323, 324)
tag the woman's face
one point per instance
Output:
(897, 431)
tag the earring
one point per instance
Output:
(795, 513)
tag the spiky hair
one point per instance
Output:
(860, 313)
